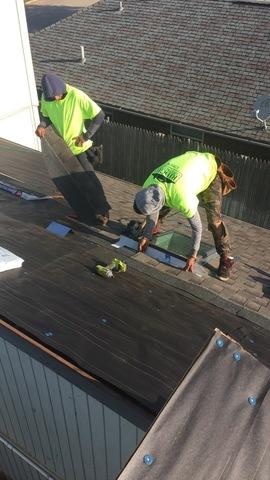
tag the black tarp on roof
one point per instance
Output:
(216, 426)
(152, 331)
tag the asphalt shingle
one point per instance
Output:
(203, 62)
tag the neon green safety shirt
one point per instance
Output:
(182, 178)
(69, 114)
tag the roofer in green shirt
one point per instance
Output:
(76, 118)
(182, 183)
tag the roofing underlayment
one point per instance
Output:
(215, 425)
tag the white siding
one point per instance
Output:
(57, 425)
(18, 96)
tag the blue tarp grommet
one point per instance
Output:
(237, 356)
(48, 334)
(252, 400)
(220, 343)
(148, 459)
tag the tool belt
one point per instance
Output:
(227, 178)
(98, 152)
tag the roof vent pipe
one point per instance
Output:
(121, 8)
(83, 56)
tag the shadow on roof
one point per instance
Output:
(39, 16)
(62, 60)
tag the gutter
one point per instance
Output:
(186, 125)
(37, 466)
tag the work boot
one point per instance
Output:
(225, 268)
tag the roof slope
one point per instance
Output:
(137, 331)
(198, 62)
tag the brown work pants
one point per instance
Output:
(211, 200)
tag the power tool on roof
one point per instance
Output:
(108, 271)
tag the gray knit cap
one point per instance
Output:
(150, 200)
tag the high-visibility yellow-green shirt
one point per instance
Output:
(69, 114)
(182, 178)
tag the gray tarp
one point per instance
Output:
(216, 426)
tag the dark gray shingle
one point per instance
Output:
(201, 62)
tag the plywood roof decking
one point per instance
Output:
(24, 166)
(133, 331)
(152, 332)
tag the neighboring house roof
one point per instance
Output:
(199, 62)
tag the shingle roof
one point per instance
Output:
(200, 62)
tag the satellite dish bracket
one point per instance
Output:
(261, 110)
(264, 126)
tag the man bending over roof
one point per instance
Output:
(76, 118)
(181, 183)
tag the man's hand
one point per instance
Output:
(143, 244)
(80, 140)
(190, 265)
(40, 132)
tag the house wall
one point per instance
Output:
(65, 431)
(18, 96)
(14, 467)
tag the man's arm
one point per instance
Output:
(149, 226)
(44, 123)
(91, 127)
(196, 236)
(150, 223)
